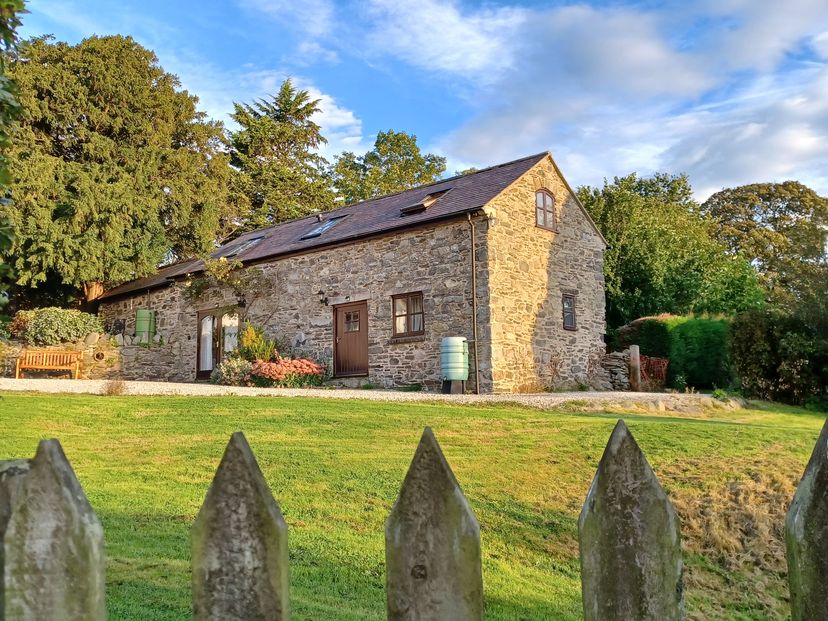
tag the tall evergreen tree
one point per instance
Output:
(113, 168)
(394, 164)
(10, 11)
(279, 173)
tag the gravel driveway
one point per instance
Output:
(659, 401)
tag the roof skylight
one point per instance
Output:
(327, 225)
(242, 247)
(424, 204)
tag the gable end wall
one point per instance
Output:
(529, 270)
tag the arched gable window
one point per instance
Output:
(545, 210)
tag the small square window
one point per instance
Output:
(569, 318)
(409, 319)
(352, 321)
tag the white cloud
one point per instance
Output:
(615, 90)
(759, 33)
(781, 136)
(441, 36)
(310, 53)
(313, 17)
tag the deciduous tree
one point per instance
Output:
(394, 164)
(661, 258)
(782, 228)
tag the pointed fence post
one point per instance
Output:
(806, 538)
(631, 566)
(432, 545)
(239, 545)
(52, 542)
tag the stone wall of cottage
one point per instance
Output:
(435, 260)
(529, 270)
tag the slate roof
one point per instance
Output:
(460, 195)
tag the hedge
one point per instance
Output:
(697, 348)
(780, 358)
(52, 326)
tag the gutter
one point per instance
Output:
(474, 304)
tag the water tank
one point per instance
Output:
(454, 358)
(145, 324)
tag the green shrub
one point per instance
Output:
(699, 352)
(231, 372)
(817, 403)
(52, 326)
(720, 394)
(651, 334)
(779, 357)
(254, 345)
(697, 348)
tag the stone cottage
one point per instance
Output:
(506, 257)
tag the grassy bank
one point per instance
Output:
(335, 468)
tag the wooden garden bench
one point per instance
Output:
(49, 361)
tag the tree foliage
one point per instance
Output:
(113, 169)
(781, 357)
(279, 174)
(394, 164)
(782, 228)
(10, 11)
(661, 258)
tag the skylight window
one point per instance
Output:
(424, 204)
(327, 225)
(242, 247)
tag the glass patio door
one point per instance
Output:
(218, 336)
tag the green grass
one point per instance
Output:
(335, 468)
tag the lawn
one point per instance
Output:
(335, 468)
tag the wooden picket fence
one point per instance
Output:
(52, 552)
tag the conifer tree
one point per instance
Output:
(279, 173)
(10, 11)
(113, 168)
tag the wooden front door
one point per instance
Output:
(351, 339)
(218, 335)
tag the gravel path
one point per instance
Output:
(660, 401)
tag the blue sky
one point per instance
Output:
(728, 91)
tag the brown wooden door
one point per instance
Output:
(351, 339)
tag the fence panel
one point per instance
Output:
(631, 565)
(239, 544)
(52, 542)
(432, 544)
(806, 538)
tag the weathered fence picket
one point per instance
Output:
(52, 561)
(239, 544)
(52, 553)
(631, 566)
(432, 544)
(806, 538)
